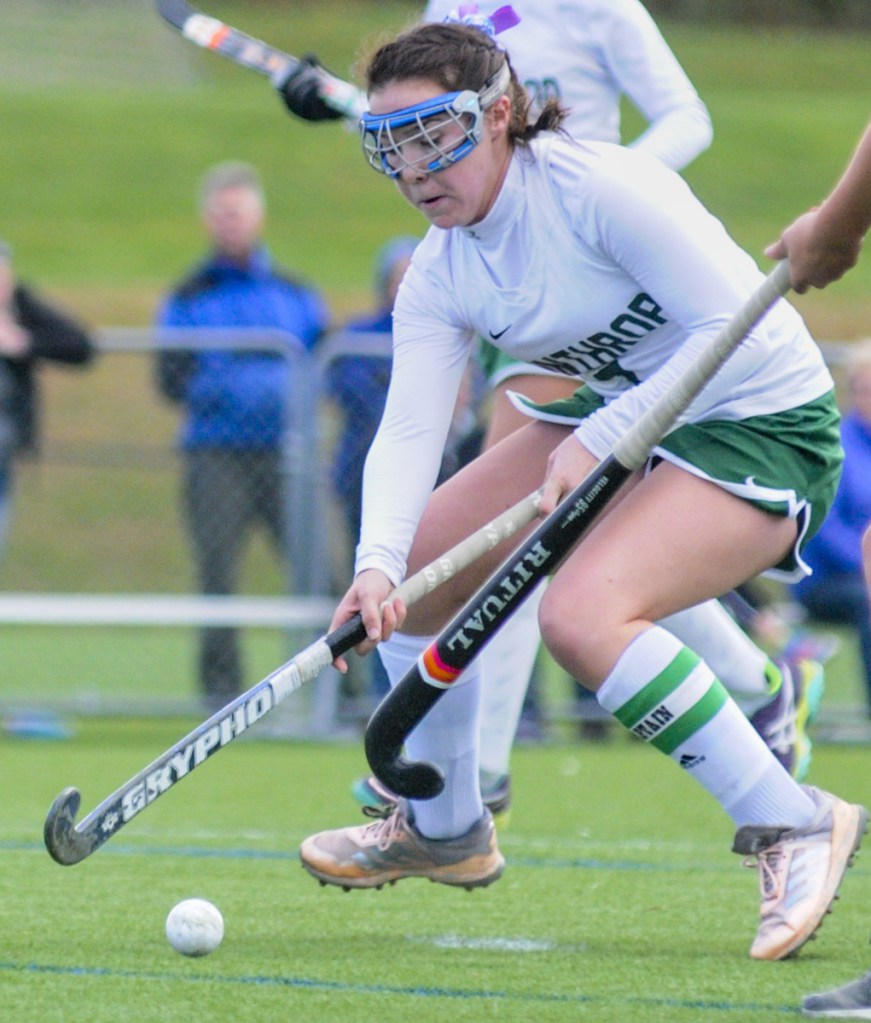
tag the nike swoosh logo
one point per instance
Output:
(495, 337)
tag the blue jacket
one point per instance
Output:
(836, 549)
(236, 399)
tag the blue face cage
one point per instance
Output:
(431, 135)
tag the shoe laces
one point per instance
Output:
(772, 876)
(775, 865)
(390, 823)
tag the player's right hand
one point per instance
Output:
(567, 465)
(301, 91)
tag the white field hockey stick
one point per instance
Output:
(540, 554)
(213, 34)
(69, 843)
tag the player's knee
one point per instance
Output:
(568, 628)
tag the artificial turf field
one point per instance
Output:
(620, 898)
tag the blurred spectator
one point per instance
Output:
(836, 592)
(358, 385)
(30, 331)
(234, 401)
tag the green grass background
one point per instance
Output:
(104, 142)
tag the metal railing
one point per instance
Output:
(305, 607)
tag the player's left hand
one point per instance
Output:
(568, 464)
(369, 596)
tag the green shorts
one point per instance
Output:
(787, 463)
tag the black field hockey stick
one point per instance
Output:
(69, 843)
(213, 34)
(538, 556)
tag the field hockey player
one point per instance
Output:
(591, 256)
(587, 54)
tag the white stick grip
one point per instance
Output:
(469, 550)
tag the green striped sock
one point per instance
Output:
(675, 704)
(665, 694)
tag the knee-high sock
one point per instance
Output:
(506, 667)
(507, 664)
(448, 738)
(726, 648)
(665, 694)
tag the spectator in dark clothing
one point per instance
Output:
(235, 401)
(31, 331)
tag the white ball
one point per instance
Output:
(195, 927)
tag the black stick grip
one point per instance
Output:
(346, 636)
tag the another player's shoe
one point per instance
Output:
(850, 1001)
(391, 848)
(497, 799)
(809, 682)
(783, 721)
(800, 870)
(370, 791)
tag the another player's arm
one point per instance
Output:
(823, 244)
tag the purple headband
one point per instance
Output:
(492, 24)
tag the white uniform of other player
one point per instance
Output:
(590, 53)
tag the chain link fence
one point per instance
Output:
(139, 522)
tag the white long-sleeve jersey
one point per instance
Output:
(589, 53)
(594, 260)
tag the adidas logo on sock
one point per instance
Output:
(689, 760)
